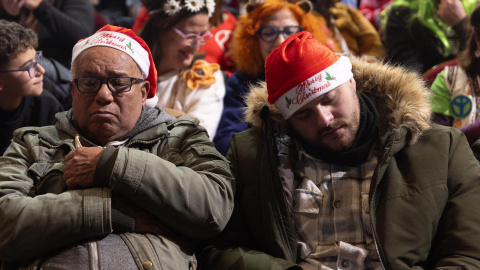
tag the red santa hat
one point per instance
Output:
(127, 41)
(302, 69)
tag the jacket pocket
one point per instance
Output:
(202, 150)
(210, 159)
(306, 210)
(49, 177)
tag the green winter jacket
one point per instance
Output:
(171, 170)
(424, 202)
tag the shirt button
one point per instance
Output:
(337, 204)
(147, 265)
(345, 264)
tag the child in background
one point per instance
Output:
(22, 99)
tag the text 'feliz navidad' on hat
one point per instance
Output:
(127, 41)
(301, 69)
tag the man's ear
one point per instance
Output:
(72, 84)
(145, 89)
(353, 83)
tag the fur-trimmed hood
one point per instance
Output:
(400, 96)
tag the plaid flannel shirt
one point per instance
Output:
(331, 214)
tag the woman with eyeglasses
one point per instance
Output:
(264, 26)
(22, 99)
(217, 49)
(174, 31)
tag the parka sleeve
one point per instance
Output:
(236, 247)
(457, 240)
(189, 188)
(34, 224)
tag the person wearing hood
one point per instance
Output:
(343, 169)
(114, 184)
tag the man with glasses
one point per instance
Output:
(22, 99)
(114, 183)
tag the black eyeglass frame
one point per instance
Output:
(38, 60)
(106, 81)
(278, 32)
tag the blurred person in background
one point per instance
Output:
(174, 31)
(218, 48)
(351, 30)
(420, 34)
(118, 12)
(372, 10)
(23, 102)
(456, 89)
(59, 24)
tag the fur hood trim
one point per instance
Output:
(400, 96)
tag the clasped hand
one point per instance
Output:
(80, 166)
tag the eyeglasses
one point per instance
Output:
(115, 85)
(270, 33)
(194, 38)
(32, 68)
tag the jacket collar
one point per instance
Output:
(66, 130)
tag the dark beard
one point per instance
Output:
(356, 153)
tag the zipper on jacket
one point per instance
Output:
(93, 250)
(264, 115)
(385, 156)
(374, 234)
(146, 142)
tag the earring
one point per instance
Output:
(477, 54)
